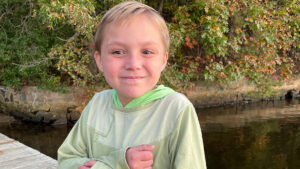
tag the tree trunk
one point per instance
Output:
(160, 6)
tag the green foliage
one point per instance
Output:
(54, 84)
(231, 40)
(175, 79)
(50, 42)
(24, 45)
(72, 56)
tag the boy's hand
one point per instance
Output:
(88, 165)
(140, 157)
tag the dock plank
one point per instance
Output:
(15, 155)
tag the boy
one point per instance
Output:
(137, 124)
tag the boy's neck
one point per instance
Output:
(158, 92)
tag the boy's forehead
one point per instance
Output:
(125, 21)
(133, 23)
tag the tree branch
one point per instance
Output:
(70, 39)
(32, 64)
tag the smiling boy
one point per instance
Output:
(137, 124)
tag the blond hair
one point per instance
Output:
(127, 10)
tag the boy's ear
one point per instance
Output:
(165, 60)
(97, 58)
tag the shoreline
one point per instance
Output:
(43, 106)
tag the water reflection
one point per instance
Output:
(43, 138)
(273, 144)
(258, 135)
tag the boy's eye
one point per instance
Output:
(118, 52)
(147, 52)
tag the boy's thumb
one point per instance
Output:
(145, 147)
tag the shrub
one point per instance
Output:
(216, 40)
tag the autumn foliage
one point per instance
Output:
(238, 39)
(215, 40)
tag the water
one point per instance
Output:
(260, 136)
(43, 138)
(274, 144)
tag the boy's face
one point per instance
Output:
(132, 57)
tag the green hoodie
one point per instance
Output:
(105, 131)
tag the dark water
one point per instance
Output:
(255, 136)
(43, 138)
(252, 136)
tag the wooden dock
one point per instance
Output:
(15, 155)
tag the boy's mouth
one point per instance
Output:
(132, 77)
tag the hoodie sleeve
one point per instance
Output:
(185, 144)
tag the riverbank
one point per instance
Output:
(43, 106)
(208, 94)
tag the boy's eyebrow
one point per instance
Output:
(124, 43)
(115, 43)
(150, 43)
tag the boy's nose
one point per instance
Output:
(133, 62)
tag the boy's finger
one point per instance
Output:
(90, 163)
(144, 147)
(146, 164)
(83, 167)
(146, 155)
